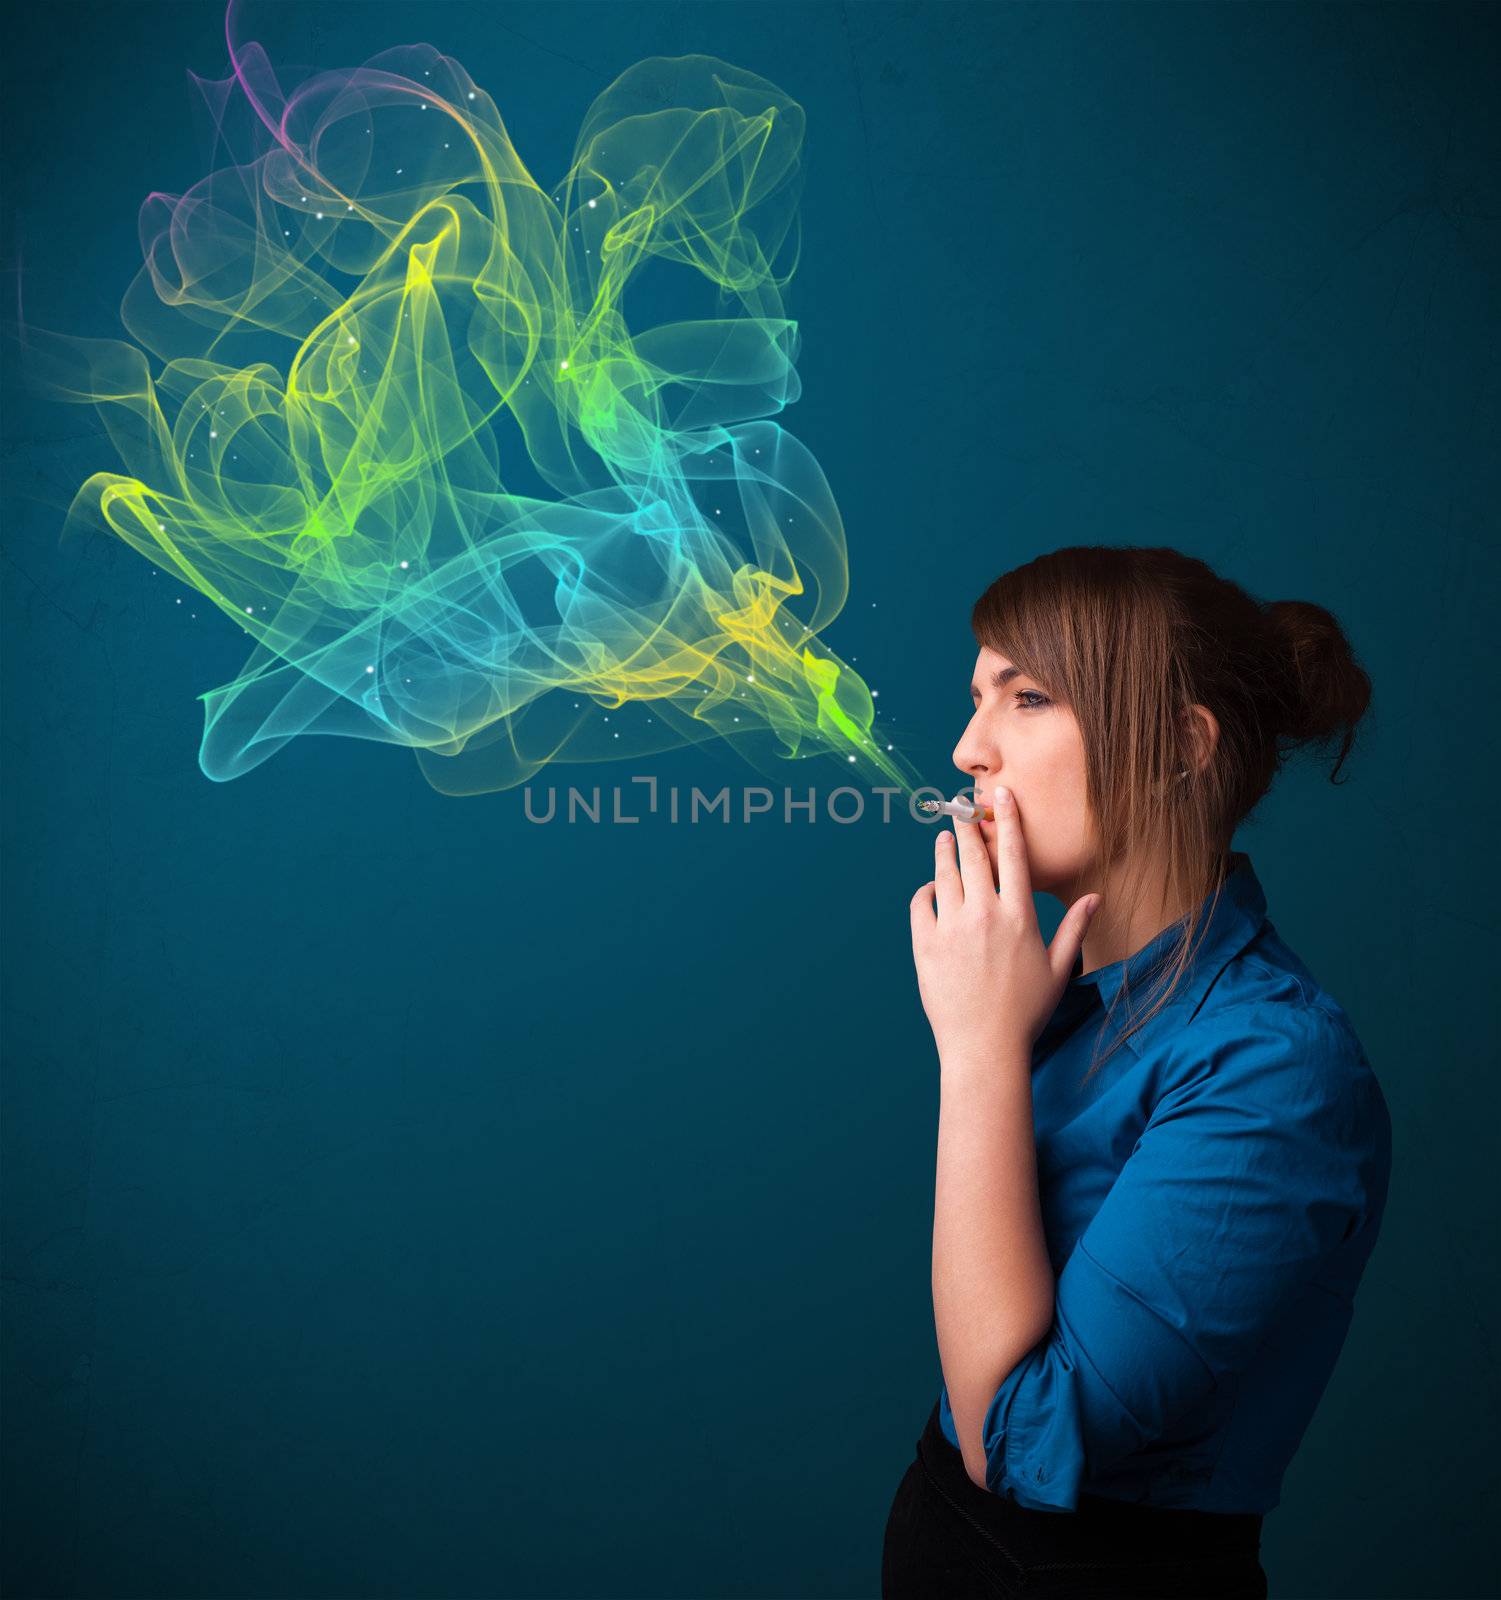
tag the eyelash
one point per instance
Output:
(1037, 702)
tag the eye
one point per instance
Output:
(1032, 699)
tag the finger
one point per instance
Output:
(975, 870)
(1069, 939)
(1013, 877)
(924, 918)
(950, 885)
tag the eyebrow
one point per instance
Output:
(999, 679)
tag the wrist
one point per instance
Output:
(979, 1064)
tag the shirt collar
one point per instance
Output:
(1236, 919)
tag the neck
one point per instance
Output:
(1117, 931)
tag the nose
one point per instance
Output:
(973, 754)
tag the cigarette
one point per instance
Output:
(959, 807)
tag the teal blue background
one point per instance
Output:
(405, 1200)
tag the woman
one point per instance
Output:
(1162, 1154)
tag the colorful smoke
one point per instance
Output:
(405, 431)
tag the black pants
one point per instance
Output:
(946, 1537)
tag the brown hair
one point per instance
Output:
(1128, 638)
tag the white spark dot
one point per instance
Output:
(471, 94)
(875, 694)
(405, 564)
(594, 203)
(888, 747)
(249, 610)
(320, 216)
(565, 366)
(213, 433)
(369, 669)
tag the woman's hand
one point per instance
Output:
(988, 983)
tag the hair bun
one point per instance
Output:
(1321, 689)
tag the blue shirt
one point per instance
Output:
(1209, 1201)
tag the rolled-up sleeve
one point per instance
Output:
(1247, 1175)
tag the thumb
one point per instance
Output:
(1069, 939)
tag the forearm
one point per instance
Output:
(992, 1278)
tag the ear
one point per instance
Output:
(1204, 731)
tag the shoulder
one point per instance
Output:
(1266, 1007)
(1273, 1054)
(1299, 1047)
(1269, 969)
(1263, 1022)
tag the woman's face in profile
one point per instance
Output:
(1020, 737)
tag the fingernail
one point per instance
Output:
(1001, 796)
